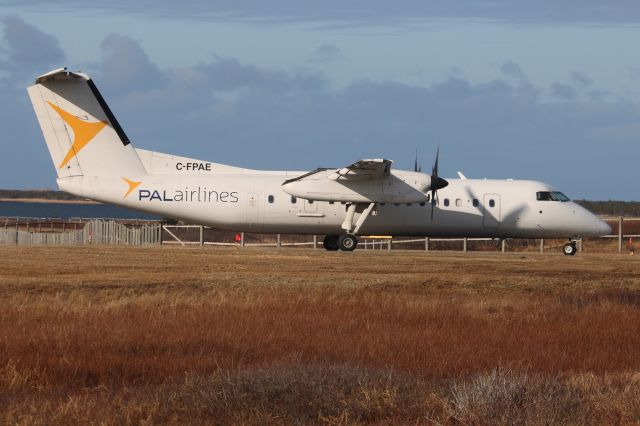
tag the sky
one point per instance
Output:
(540, 90)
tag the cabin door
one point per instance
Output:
(253, 211)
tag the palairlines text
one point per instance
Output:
(199, 195)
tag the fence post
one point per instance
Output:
(620, 220)
(315, 242)
(541, 245)
(278, 243)
(504, 245)
(426, 244)
(242, 239)
(389, 247)
(464, 244)
(201, 235)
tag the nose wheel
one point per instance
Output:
(346, 242)
(569, 249)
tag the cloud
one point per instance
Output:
(513, 70)
(25, 48)
(238, 113)
(376, 12)
(326, 53)
(564, 91)
(125, 65)
(233, 112)
(580, 85)
(581, 80)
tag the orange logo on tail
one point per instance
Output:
(83, 132)
(132, 185)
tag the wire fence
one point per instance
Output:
(136, 232)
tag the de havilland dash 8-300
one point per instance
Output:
(94, 158)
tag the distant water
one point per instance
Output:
(66, 211)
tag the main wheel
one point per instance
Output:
(348, 242)
(330, 242)
(569, 249)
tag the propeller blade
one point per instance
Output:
(434, 170)
(433, 205)
(436, 183)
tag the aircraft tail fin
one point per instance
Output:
(82, 134)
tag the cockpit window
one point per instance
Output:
(551, 196)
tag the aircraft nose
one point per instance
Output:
(590, 224)
(604, 228)
(598, 227)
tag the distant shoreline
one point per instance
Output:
(47, 201)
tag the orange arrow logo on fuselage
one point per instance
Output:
(132, 185)
(83, 132)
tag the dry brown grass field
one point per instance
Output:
(226, 336)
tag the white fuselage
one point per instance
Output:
(254, 201)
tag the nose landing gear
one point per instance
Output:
(346, 242)
(570, 248)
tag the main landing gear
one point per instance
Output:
(346, 242)
(570, 248)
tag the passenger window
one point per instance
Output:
(475, 202)
(293, 199)
(446, 202)
(331, 202)
(428, 197)
(458, 202)
(492, 203)
(310, 201)
(423, 204)
(270, 198)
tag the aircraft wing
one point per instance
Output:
(365, 181)
(363, 169)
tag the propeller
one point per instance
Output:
(436, 182)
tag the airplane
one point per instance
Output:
(95, 159)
